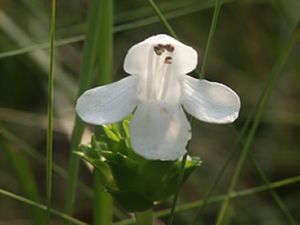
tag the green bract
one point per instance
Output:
(136, 183)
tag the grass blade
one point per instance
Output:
(162, 213)
(119, 26)
(50, 113)
(64, 81)
(211, 34)
(41, 207)
(265, 96)
(201, 76)
(103, 207)
(273, 193)
(220, 198)
(91, 53)
(34, 154)
(25, 177)
(162, 19)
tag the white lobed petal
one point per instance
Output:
(184, 57)
(159, 131)
(210, 101)
(109, 103)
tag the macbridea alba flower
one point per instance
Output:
(157, 91)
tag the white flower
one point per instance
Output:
(157, 91)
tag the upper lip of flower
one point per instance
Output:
(158, 88)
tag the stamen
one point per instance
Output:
(159, 71)
(169, 48)
(168, 60)
(166, 82)
(160, 78)
(155, 77)
(149, 75)
(159, 49)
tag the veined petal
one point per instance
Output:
(159, 131)
(109, 103)
(210, 101)
(184, 58)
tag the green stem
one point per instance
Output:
(290, 219)
(179, 184)
(238, 140)
(73, 166)
(103, 206)
(162, 213)
(41, 207)
(144, 218)
(102, 203)
(162, 19)
(122, 26)
(37, 156)
(50, 114)
(266, 93)
(90, 57)
(213, 26)
(220, 198)
(24, 174)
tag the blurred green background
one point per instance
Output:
(247, 42)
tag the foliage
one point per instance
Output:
(135, 182)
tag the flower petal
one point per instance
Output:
(109, 103)
(210, 101)
(184, 57)
(159, 131)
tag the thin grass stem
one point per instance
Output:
(103, 207)
(27, 201)
(85, 81)
(141, 22)
(163, 19)
(232, 151)
(24, 174)
(266, 94)
(50, 113)
(285, 211)
(40, 158)
(211, 34)
(162, 213)
(201, 75)
(92, 51)
(220, 198)
(179, 184)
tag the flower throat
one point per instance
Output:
(159, 71)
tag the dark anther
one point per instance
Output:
(168, 60)
(169, 48)
(159, 49)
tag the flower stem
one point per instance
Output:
(103, 209)
(180, 181)
(144, 218)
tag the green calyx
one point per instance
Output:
(136, 183)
